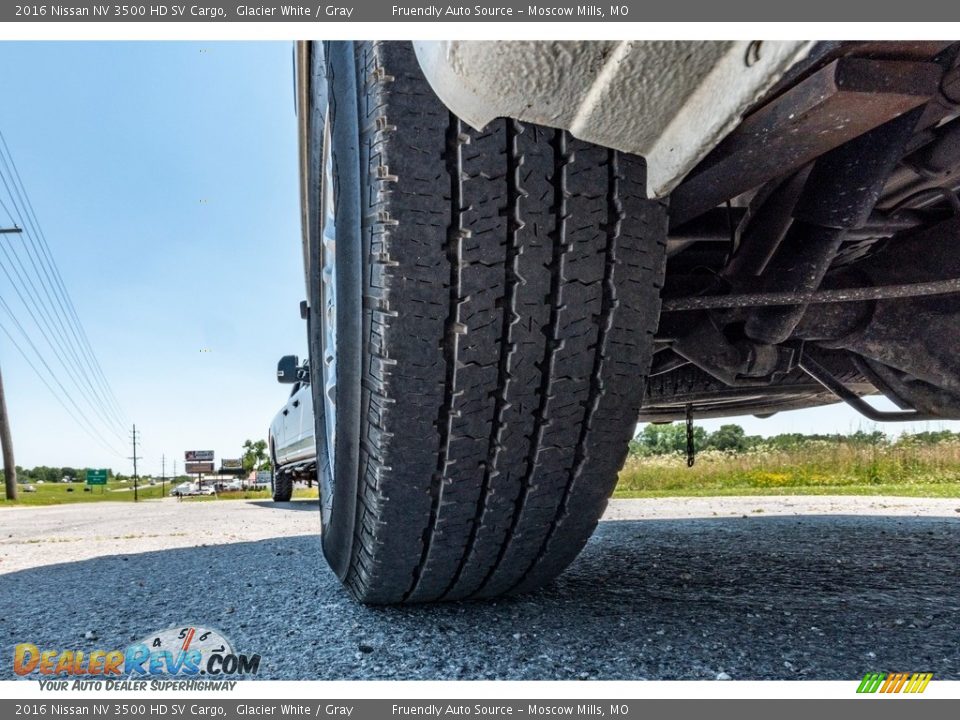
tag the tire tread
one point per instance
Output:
(511, 290)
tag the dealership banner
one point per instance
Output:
(209, 707)
(496, 11)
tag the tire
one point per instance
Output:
(282, 486)
(499, 312)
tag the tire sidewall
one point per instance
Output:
(338, 485)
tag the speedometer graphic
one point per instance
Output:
(185, 649)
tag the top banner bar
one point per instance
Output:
(501, 11)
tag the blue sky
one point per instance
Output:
(165, 178)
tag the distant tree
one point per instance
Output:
(929, 437)
(667, 438)
(255, 455)
(876, 437)
(728, 437)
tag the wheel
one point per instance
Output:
(281, 484)
(485, 314)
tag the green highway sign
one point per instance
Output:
(96, 477)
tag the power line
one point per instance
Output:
(54, 317)
(86, 427)
(60, 327)
(52, 343)
(65, 296)
(64, 391)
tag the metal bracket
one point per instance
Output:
(823, 376)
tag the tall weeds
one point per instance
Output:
(811, 464)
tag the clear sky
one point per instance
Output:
(165, 178)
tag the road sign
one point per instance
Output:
(195, 468)
(96, 477)
(198, 456)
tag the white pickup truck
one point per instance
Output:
(293, 450)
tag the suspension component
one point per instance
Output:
(840, 193)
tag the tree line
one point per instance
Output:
(669, 438)
(255, 457)
(43, 473)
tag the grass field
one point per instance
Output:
(298, 493)
(815, 467)
(58, 493)
(812, 468)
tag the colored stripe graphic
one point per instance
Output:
(894, 683)
(925, 679)
(871, 682)
(889, 683)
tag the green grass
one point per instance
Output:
(941, 490)
(813, 468)
(298, 493)
(58, 494)
(817, 467)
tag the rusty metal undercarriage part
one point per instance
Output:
(811, 263)
(838, 295)
(823, 376)
(844, 100)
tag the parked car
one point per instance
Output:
(554, 240)
(28, 488)
(184, 489)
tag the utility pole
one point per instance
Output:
(6, 440)
(9, 467)
(135, 457)
(163, 476)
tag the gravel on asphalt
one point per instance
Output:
(690, 588)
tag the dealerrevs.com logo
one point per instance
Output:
(186, 652)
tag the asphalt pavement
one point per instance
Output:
(746, 588)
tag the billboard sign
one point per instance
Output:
(198, 456)
(231, 464)
(195, 468)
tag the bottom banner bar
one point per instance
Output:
(379, 709)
